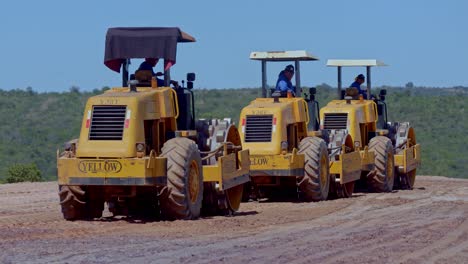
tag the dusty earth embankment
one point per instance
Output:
(425, 225)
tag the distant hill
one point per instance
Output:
(35, 124)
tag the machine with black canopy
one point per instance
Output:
(141, 150)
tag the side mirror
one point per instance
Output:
(312, 91)
(190, 77)
(189, 85)
(382, 94)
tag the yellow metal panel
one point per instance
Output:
(335, 167)
(225, 172)
(367, 159)
(409, 159)
(146, 104)
(289, 164)
(348, 167)
(351, 167)
(166, 103)
(212, 173)
(110, 168)
(359, 112)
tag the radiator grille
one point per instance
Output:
(335, 121)
(107, 122)
(258, 128)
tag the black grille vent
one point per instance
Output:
(335, 121)
(107, 122)
(258, 128)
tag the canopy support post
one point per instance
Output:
(125, 64)
(264, 79)
(339, 83)
(368, 73)
(298, 79)
(167, 76)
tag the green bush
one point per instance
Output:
(23, 173)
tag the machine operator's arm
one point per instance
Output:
(282, 86)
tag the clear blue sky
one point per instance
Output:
(52, 45)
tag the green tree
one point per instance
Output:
(23, 173)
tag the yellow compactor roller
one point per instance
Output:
(287, 150)
(390, 154)
(142, 151)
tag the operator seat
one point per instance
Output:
(353, 92)
(283, 94)
(144, 78)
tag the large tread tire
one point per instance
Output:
(315, 184)
(182, 197)
(72, 200)
(345, 190)
(405, 181)
(381, 179)
(76, 204)
(224, 203)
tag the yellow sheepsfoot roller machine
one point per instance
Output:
(389, 152)
(142, 151)
(287, 149)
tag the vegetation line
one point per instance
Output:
(34, 125)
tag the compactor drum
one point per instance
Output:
(289, 154)
(389, 152)
(142, 151)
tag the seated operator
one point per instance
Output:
(147, 65)
(357, 84)
(284, 84)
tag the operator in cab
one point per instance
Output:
(357, 84)
(147, 65)
(284, 85)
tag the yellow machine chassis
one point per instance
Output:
(146, 171)
(290, 164)
(348, 166)
(128, 171)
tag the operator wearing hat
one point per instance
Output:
(284, 84)
(357, 84)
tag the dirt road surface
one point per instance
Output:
(425, 225)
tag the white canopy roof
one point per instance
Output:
(294, 55)
(355, 63)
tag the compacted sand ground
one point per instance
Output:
(425, 225)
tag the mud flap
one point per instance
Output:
(230, 171)
(408, 159)
(348, 167)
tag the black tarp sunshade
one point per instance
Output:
(142, 42)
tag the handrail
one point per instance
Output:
(307, 111)
(176, 102)
(374, 105)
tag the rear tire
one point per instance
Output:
(381, 179)
(406, 180)
(345, 190)
(77, 205)
(315, 184)
(182, 197)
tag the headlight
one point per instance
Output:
(284, 145)
(140, 147)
